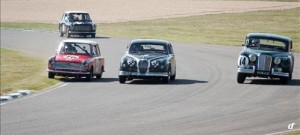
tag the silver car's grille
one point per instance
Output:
(143, 66)
(67, 66)
(83, 28)
(264, 62)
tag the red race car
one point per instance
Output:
(77, 58)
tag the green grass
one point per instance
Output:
(220, 29)
(293, 133)
(20, 70)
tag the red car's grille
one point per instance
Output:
(67, 66)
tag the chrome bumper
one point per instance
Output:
(82, 32)
(251, 70)
(281, 74)
(148, 74)
(68, 72)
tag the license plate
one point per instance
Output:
(263, 73)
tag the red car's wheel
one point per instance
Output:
(51, 75)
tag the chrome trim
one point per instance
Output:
(68, 72)
(75, 32)
(264, 62)
(140, 63)
(149, 74)
(246, 70)
(281, 74)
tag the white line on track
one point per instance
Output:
(37, 94)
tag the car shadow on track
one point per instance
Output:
(102, 80)
(293, 82)
(159, 82)
(135, 81)
(97, 37)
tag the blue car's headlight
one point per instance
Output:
(159, 64)
(131, 62)
(155, 63)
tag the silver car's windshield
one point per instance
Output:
(148, 49)
(266, 44)
(79, 17)
(75, 48)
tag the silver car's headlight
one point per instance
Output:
(94, 27)
(130, 61)
(277, 60)
(72, 27)
(252, 57)
(155, 63)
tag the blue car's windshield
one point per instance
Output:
(148, 49)
(266, 44)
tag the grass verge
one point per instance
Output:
(20, 70)
(220, 29)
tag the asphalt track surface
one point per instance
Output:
(204, 99)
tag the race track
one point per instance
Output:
(204, 99)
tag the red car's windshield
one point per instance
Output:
(76, 48)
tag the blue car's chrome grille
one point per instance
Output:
(264, 62)
(143, 66)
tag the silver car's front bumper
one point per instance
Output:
(251, 70)
(147, 74)
(82, 32)
(68, 72)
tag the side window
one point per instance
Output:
(66, 17)
(96, 50)
(170, 49)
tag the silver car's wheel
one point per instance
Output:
(173, 77)
(284, 80)
(61, 31)
(122, 79)
(241, 78)
(167, 79)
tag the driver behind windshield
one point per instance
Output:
(135, 48)
(68, 48)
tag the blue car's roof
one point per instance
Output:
(154, 41)
(269, 36)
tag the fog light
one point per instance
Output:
(279, 69)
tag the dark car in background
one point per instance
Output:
(148, 59)
(77, 58)
(266, 55)
(76, 23)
